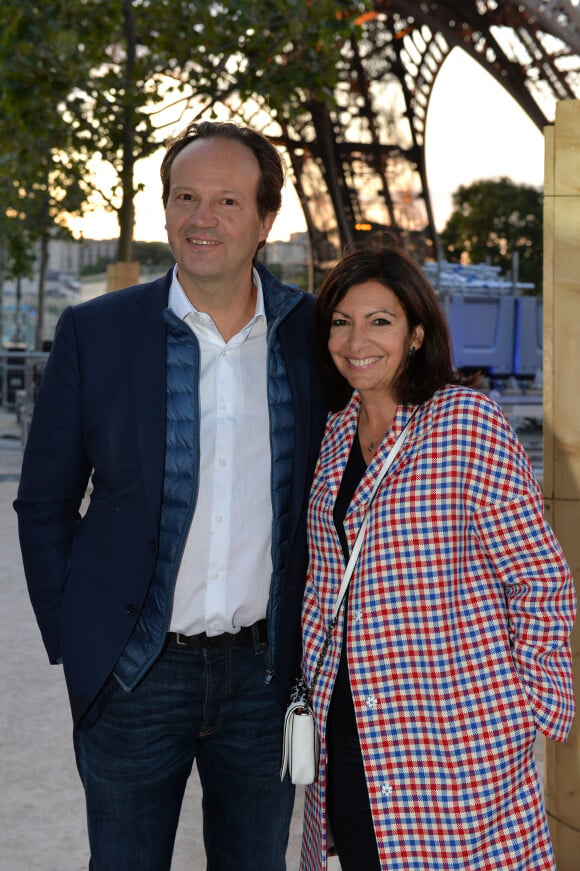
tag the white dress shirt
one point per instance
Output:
(224, 577)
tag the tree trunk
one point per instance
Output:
(43, 266)
(2, 274)
(127, 210)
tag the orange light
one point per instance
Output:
(366, 16)
(364, 226)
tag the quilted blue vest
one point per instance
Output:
(181, 487)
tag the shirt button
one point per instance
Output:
(371, 702)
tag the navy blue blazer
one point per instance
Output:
(100, 417)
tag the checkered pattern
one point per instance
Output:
(460, 610)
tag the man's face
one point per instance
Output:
(211, 215)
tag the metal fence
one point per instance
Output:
(20, 374)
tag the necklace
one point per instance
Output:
(373, 444)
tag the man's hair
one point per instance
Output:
(269, 197)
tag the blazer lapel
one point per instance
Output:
(340, 445)
(337, 445)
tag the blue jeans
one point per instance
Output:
(211, 705)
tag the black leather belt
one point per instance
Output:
(247, 635)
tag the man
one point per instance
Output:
(194, 406)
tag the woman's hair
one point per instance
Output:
(425, 371)
(269, 197)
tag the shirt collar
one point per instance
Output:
(181, 306)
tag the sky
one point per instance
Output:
(475, 130)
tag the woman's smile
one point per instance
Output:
(361, 363)
(370, 337)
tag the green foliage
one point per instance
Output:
(40, 180)
(154, 254)
(80, 78)
(275, 49)
(491, 220)
(42, 55)
(97, 267)
(291, 273)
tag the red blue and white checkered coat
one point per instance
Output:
(460, 611)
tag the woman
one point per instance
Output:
(453, 644)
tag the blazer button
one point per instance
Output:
(152, 545)
(132, 609)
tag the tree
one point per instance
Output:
(107, 77)
(15, 262)
(40, 53)
(157, 65)
(493, 219)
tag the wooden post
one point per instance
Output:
(121, 275)
(561, 313)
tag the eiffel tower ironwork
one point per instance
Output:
(367, 156)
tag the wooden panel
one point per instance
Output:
(567, 156)
(564, 345)
(120, 275)
(565, 521)
(549, 145)
(566, 845)
(562, 306)
(562, 434)
(548, 316)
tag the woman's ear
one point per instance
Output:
(417, 336)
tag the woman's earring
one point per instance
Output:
(412, 351)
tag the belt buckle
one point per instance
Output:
(178, 641)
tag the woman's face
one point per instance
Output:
(369, 338)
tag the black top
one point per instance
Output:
(353, 473)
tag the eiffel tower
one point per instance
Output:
(366, 157)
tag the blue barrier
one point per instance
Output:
(494, 328)
(500, 335)
(528, 336)
(482, 330)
